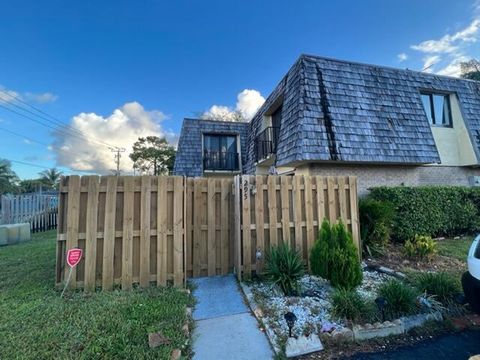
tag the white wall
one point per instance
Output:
(453, 144)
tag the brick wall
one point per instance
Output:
(396, 175)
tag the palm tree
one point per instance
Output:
(8, 178)
(50, 177)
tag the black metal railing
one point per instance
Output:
(266, 142)
(221, 160)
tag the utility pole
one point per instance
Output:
(117, 155)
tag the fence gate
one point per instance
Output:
(163, 229)
(275, 209)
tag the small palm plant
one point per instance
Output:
(284, 266)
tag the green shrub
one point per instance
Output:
(442, 285)
(422, 247)
(430, 210)
(350, 305)
(335, 257)
(284, 266)
(375, 224)
(401, 299)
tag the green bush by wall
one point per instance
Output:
(431, 210)
(335, 257)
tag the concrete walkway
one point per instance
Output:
(225, 328)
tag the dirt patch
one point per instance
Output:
(395, 259)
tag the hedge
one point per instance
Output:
(431, 210)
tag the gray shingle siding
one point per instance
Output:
(353, 112)
(343, 111)
(189, 160)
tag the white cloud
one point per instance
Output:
(429, 61)
(43, 98)
(402, 57)
(454, 67)
(248, 103)
(8, 96)
(450, 42)
(122, 128)
(445, 54)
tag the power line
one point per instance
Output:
(29, 164)
(67, 129)
(24, 137)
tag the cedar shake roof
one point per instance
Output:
(334, 110)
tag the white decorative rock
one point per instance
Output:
(303, 345)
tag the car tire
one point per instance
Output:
(471, 288)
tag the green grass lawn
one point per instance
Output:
(455, 248)
(35, 323)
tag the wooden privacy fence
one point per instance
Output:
(276, 209)
(158, 229)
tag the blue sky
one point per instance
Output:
(117, 69)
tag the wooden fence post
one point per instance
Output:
(237, 230)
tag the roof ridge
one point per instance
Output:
(217, 121)
(306, 56)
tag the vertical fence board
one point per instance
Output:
(332, 214)
(285, 200)
(297, 213)
(259, 219)
(246, 219)
(237, 225)
(91, 232)
(178, 231)
(211, 252)
(162, 231)
(189, 226)
(224, 223)
(352, 183)
(109, 234)
(72, 220)
(309, 214)
(272, 209)
(197, 230)
(145, 231)
(127, 248)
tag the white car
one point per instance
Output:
(471, 279)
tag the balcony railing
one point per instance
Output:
(266, 143)
(221, 161)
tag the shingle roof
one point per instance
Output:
(189, 154)
(346, 111)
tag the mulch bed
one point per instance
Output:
(394, 258)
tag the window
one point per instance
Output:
(220, 152)
(437, 108)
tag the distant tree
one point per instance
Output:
(50, 178)
(153, 155)
(8, 178)
(471, 69)
(30, 185)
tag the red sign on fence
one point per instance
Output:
(73, 257)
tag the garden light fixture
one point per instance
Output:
(381, 302)
(290, 318)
